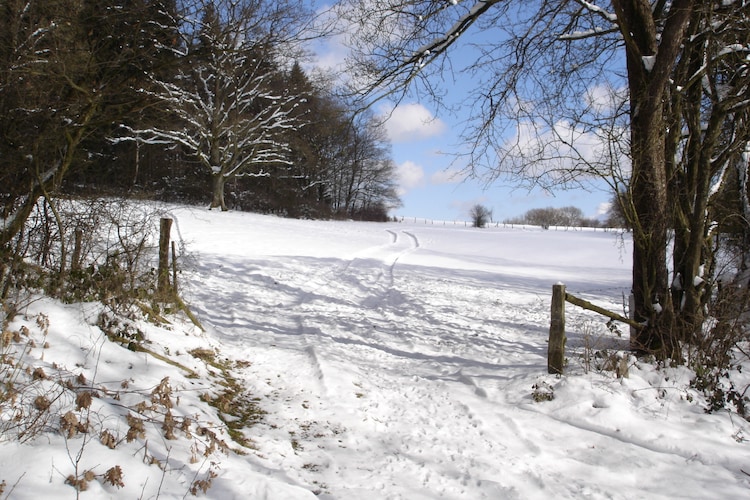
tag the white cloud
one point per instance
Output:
(329, 52)
(604, 98)
(557, 154)
(411, 122)
(410, 175)
(448, 176)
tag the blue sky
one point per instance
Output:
(431, 184)
(424, 147)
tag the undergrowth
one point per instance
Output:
(237, 409)
(719, 351)
(39, 397)
(104, 252)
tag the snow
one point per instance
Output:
(394, 361)
(648, 62)
(698, 279)
(732, 49)
(598, 10)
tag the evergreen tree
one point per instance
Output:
(67, 72)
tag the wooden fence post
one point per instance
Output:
(631, 315)
(75, 260)
(174, 268)
(162, 284)
(556, 348)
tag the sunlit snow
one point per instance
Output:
(395, 361)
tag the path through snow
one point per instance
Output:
(397, 361)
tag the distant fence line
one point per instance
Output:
(465, 223)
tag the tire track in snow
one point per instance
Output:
(383, 278)
(414, 238)
(367, 279)
(413, 247)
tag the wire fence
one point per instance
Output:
(498, 224)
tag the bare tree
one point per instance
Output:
(541, 65)
(480, 215)
(616, 214)
(550, 216)
(364, 174)
(228, 105)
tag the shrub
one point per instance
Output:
(721, 349)
(480, 215)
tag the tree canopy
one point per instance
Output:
(175, 100)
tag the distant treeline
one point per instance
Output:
(564, 217)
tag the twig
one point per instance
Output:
(163, 472)
(14, 485)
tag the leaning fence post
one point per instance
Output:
(556, 348)
(162, 284)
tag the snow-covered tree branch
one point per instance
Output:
(226, 105)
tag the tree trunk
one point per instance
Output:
(652, 46)
(653, 301)
(217, 197)
(163, 271)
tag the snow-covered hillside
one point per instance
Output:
(393, 361)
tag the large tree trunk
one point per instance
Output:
(653, 301)
(652, 45)
(217, 196)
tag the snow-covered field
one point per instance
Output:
(393, 361)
